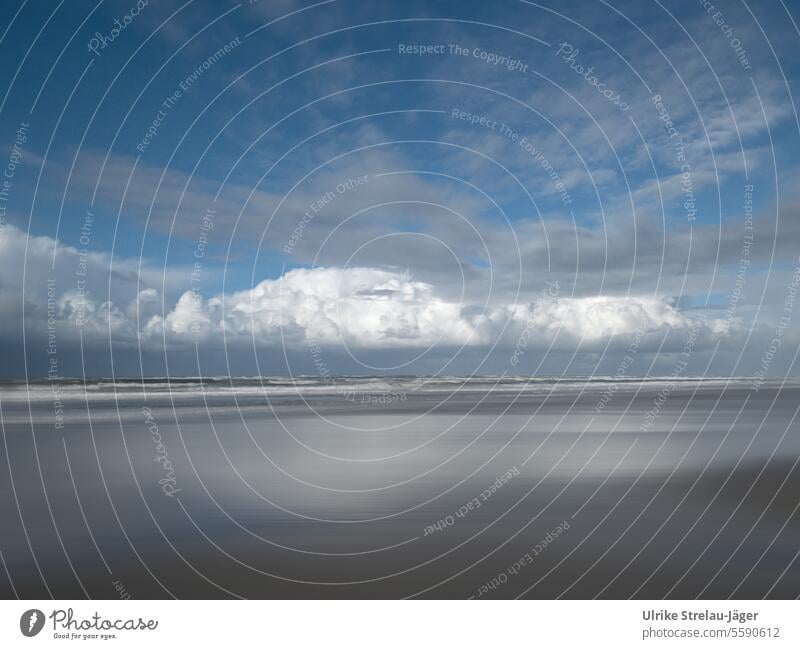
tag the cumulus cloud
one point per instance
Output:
(599, 318)
(379, 308)
(360, 307)
(367, 307)
(42, 279)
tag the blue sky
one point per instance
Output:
(606, 148)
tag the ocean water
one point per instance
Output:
(482, 487)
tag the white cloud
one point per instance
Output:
(361, 307)
(598, 318)
(365, 307)
(378, 308)
(53, 279)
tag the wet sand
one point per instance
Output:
(372, 500)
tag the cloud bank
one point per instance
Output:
(359, 307)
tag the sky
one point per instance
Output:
(341, 187)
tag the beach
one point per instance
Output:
(404, 487)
